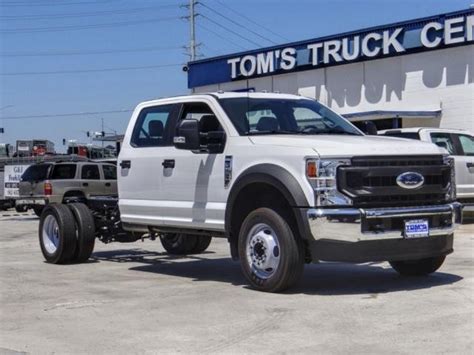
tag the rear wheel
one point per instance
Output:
(21, 209)
(57, 234)
(272, 259)
(418, 267)
(85, 231)
(178, 243)
(202, 244)
(38, 210)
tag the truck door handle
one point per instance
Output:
(85, 184)
(107, 184)
(470, 165)
(168, 163)
(125, 164)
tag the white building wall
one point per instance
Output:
(426, 81)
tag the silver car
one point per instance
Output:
(46, 183)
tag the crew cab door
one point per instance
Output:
(461, 147)
(465, 165)
(140, 172)
(192, 185)
(90, 181)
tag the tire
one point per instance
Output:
(271, 258)
(85, 225)
(179, 243)
(418, 267)
(202, 244)
(21, 209)
(57, 234)
(38, 210)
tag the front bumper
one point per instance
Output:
(356, 234)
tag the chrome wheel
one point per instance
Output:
(263, 250)
(50, 234)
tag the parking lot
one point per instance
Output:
(134, 298)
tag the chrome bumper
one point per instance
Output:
(358, 224)
(31, 201)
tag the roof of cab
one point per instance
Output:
(227, 95)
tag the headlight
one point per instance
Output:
(322, 175)
(451, 193)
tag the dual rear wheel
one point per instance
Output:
(66, 233)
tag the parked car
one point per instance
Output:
(459, 144)
(283, 178)
(46, 183)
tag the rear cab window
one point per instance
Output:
(407, 135)
(110, 172)
(90, 172)
(36, 172)
(63, 172)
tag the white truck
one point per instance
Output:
(459, 144)
(286, 180)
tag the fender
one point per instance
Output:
(283, 181)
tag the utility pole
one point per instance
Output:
(192, 17)
(191, 50)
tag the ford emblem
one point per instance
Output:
(410, 180)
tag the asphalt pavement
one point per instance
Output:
(134, 298)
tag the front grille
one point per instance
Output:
(372, 181)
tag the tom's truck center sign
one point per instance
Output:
(436, 32)
(12, 178)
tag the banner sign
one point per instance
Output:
(12, 178)
(408, 37)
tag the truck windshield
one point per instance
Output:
(258, 116)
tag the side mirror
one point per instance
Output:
(187, 135)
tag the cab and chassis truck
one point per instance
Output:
(283, 178)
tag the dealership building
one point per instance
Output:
(407, 74)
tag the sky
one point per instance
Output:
(62, 56)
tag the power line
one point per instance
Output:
(252, 21)
(72, 114)
(84, 14)
(220, 36)
(55, 3)
(81, 52)
(84, 27)
(238, 24)
(231, 31)
(91, 70)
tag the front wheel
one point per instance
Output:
(272, 259)
(418, 267)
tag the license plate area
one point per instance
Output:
(418, 228)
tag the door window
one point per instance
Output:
(63, 171)
(152, 127)
(202, 112)
(110, 172)
(90, 172)
(467, 144)
(444, 140)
